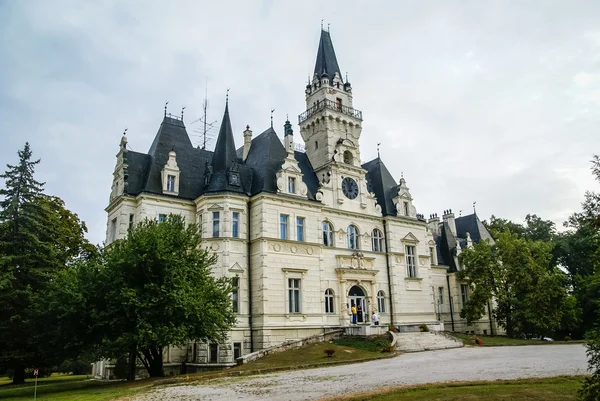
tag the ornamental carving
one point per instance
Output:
(355, 261)
(291, 248)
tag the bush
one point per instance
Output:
(567, 338)
(121, 368)
(590, 390)
(424, 327)
(329, 352)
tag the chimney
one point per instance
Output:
(247, 142)
(434, 223)
(449, 218)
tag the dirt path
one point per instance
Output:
(486, 363)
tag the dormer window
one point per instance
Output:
(292, 185)
(234, 178)
(406, 213)
(171, 183)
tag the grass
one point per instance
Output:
(76, 388)
(469, 339)
(68, 388)
(563, 388)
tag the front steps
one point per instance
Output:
(424, 341)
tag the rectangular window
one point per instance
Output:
(338, 103)
(235, 295)
(441, 299)
(300, 229)
(411, 262)
(237, 350)
(216, 224)
(171, 183)
(294, 295)
(235, 224)
(112, 233)
(464, 293)
(432, 255)
(283, 226)
(292, 185)
(213, 353)
(406, 209)
(316, 145)
(131, 216)
(161, 217)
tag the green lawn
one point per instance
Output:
(552, 389)
(469, 339)
(76, 388)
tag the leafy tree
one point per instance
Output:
(515, 273)
(141, 294)
(38, 237)
(590, 390)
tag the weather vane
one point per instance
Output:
(272, 110)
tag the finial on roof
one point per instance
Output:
(182, 109)
(166, 107)
(474, 211)
(460, 213)
(272, 110)
(378, 149)
(321, 24)
(328, 27)
(227, 97)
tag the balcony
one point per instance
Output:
(331, 105)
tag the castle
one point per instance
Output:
(306, 234)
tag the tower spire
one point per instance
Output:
(326, 60)
(224, 154)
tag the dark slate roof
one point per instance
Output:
(381, 182)
(438, 249)
(171, 135)
(267, 155)
(448, 247)
(326, 60)
(137, 172)
(472, 225)
(224, 153)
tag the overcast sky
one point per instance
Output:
(490, 101)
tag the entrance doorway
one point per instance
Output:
(357, 298)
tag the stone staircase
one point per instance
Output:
(424, 341)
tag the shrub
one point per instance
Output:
(424, 327)
(329, 352)
(590, 390)
(567, 338)
(121, 368)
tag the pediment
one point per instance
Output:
(236, 268)
(410, 238)
(431, 243)
(215, 206)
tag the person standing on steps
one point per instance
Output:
(375, 318)
(353, 314)
(359, 313)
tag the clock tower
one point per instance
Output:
(331, 129)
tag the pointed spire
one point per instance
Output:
(326, 60)
(224, 154)
(287, 128)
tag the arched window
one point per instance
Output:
(329, 301)
(352, 237)
(377, 241)
(327, 233)
(381, 301)
(348, 158)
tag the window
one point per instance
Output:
(131, 216)
(464, 293)
(441, 299)
(327, 233)
(348, 158)
(300, 229)
(283, 226)
(213, 353)
(237, 350)
(329, 301)
(216, 223)
(161, 217)
(235, 294)
(112, 233)
(432, 255)
(171, 183)
(316, 145)
(235, 224)
(406, 208)
(338, 103)
(352, 237)
(291, 185)
(411, 262)
(381, 301)
(294, 295)
(377, 241)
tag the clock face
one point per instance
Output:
(350, 188)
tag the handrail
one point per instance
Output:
(329, 104)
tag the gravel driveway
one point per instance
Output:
(459, 364)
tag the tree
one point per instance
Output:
(515, 273)
(38, 237)
(590, 390)
(141, 294)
